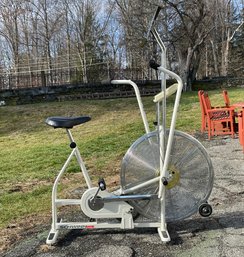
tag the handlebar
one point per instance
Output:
(172, 89)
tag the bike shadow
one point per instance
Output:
(196, 225)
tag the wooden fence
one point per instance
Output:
(72, 76)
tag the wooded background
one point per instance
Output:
(69, 41)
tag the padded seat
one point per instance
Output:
(66, 122)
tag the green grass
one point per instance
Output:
(31, 153)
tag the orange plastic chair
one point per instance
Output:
(241, 128)
(220, 121)
(204, 114)
(227, 101)
(204, 125)
(227, 104)
(226, 98)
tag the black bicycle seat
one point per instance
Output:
(66, 122)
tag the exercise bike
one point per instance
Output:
(166, 175)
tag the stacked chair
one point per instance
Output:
(216, 120)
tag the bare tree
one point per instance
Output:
(9, 12)
(227, 21)
(43, 35)
(229, 30)
(49, 19)
(135, 16)
(189, 23)
(84, 32)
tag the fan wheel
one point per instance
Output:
(190, 175)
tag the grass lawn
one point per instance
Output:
(31, 153)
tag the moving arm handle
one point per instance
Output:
(153, 20)
(173, 88)
(138, 97)
(176, 87)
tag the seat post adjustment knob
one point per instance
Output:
(72, 145)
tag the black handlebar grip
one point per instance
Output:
(153, 64)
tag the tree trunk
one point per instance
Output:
(215, 59)
(189, 64)
(185, 68)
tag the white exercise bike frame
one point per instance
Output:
(120, 197)
(124, 224)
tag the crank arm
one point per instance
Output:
(126, 198)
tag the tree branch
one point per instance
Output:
(238, 28)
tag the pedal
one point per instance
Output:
(102, 184)
(93, 202)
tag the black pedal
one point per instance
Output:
(102, 184)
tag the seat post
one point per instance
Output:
(70, 135)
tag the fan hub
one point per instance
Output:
(174, 177)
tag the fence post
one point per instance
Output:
(43, 79)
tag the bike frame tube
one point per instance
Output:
(80, 161)
(141, 185)
(54, 190)
(172, 125)
(75, 152)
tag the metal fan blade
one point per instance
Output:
(191, 173)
